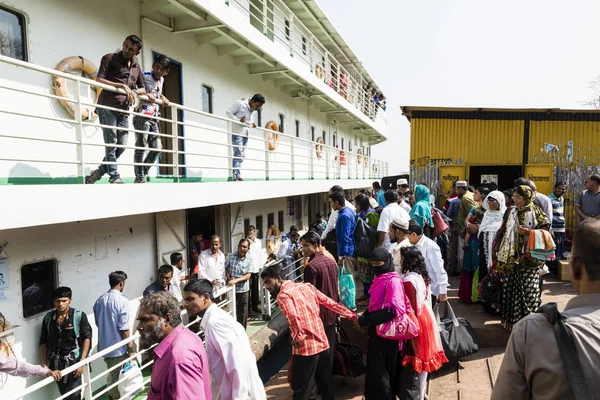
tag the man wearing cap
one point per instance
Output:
(466, 203)
(391, 211)
(402, 185)
(399, 238)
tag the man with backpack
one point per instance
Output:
(65, 340)
(553, 355)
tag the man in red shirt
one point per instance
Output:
(322, 273)
(300, 302)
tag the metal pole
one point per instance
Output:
(293, 151)
(79, 133)
(87, 391)
(267, 159)
(175, 133)
(230, 148)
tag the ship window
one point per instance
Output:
(259, 117)
(270, 219)
(324, 136)
(287, 30)
(259, 226)
(323, 61)
(303, 45)
(207, 99)
(12, 34)
(342, 143)
(280, 221)
(38, 281)
(312, 133)
(334, 140)
(281, 121)
(297, 128)
(349, 145)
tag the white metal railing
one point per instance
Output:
(279, 23)
(88, 380)
(293, 271)
(77, 144)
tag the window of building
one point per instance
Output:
(12, 34)
(281, 122)
(297, 128)
(246, 226)
(207, 99)
(259, 117)
(38, 281)
(280, 221)
(287, 30)
(259, 226)
(270, 219)
(312, 133)
(303, 45)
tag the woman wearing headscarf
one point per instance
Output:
(421, 211)
(520, 284)
(384, 356)
(470, 267)
(365, 212)
(495, 207)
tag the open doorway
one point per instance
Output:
(200, 221)
(502, 175)
(173, 90)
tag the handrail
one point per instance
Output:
(230, 291)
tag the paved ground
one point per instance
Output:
(471, 379)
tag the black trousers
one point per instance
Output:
(254, 296)
(307, 368)
(332, 339)
(241, 308)
(70, 384)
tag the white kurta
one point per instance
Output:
(258, 255)
(211, 268)
(233, 370)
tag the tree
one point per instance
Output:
(593, 100)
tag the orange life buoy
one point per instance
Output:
(342, 157)
(59, 84)
(319, 71)
(319, 147)
(272, 139)
(359, 156)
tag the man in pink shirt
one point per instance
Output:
(180, 370)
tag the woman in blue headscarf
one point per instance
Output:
(421, 211)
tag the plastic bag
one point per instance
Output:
(131, 380)
(347, 289)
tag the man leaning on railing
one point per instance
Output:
(122, 71)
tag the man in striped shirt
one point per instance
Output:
(558, 217)
(300, 302)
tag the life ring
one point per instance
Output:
(319, 147)
(272, 139)
(342, 157)
(359, 156)
(59, 84)
(319, 71)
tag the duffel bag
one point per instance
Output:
(458, 337)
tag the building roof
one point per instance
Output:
(518, 113)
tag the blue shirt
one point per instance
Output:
(381, 198)
(111, 312)
(453, 210)
(236, 267)
(344, 232)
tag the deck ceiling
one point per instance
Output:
(186, 17)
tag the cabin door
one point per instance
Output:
(170, 235)
(449, 174)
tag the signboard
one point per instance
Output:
(542, 175)
(449, 174)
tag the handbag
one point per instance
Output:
(347, 357)
(131, 380)
(568, 352)
(401, 327)
(439, 225)
(347, 288)
(458, 337)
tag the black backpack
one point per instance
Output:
(365, 238)
(347, 357)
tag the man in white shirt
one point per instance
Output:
(232, 364)
(211, 263)
(258, 257)
(433, 258)
(242, 111)
(391, 212)
(399, 239)
(177, 264)
(334, 214)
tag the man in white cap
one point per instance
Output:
(389, 214)
(399, 239)
(402, 185)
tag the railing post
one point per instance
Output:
(267, 159)
(175, 133)
(357, 164)
(79, 133)
(231, 296)
(230, 149)
(312, 159)
(327, 163)
(266, 301)
(87, 378)
(293, 154)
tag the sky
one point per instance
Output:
(466, 53)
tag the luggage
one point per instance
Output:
(458, 337)
(440, 225)
(365, 238)
(347, 288)
(490, 290)
(347, 357)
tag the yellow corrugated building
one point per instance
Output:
(499, 145)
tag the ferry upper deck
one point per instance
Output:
(317, 92)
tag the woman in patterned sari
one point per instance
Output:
(520, 276)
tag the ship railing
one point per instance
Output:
(145, 355)
(46, 130)
(280, 24)
(292, 271)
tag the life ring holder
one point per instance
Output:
(319, 71)
(359, 155)
(272, 139)
(59, 84)
(319, 147)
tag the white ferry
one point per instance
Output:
(57, 231)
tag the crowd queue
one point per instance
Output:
(391, 243)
